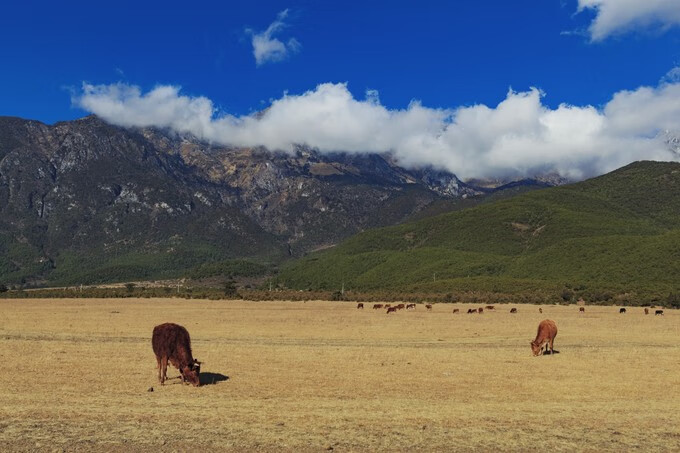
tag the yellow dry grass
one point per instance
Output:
(322, 375)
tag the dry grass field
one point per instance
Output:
(316, 376)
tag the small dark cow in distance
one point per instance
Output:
(540, 310)
(360, 306)
(480, 310)
(171, 343)
(429, 307)
(391, 310)
(388, 305)
(658, 312)
(513, 310)
(547, 331)
(490, 307)
(472, 310)
(646, 311)
(400, 306)
(377, 306)
(456, 310)
(622, 310)
(411, 306)
(581, 310)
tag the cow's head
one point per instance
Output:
(191, 373)
(536, 348)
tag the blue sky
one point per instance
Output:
(446, 55)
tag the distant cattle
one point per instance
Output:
(490, 307)
(429, 307)
(646, 311)
(391, 310)
(622, 310)
(547, 331)
(581, 310)
(171, 343)
(377, 306)
(360, 306)
(388, 305)
(456, 310)
(480, 310)
(400, 306)
(472, 310)
(658, 312)
(540, 310)
(513, 310)
(411, 306)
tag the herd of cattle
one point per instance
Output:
(480, 310)
(171, 342)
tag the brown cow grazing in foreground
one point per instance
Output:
(622, 310)
(646, 311)
(377, 306)
(547, 331)
(360, 306)
(581, 310)
(658, 312)
(171, 343)
(391, 310)
(456, 310)
(429, 307)
(513, 310)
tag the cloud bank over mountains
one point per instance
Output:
(520, 136)
(620, 16)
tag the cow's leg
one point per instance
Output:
(164, 369)
(158, 365)
(552, 350)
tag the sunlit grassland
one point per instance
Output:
(309, 376)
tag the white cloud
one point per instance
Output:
(619, 16)
(520, 136)
(267, 48)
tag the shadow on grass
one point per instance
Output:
(549, 353)
(208, 378)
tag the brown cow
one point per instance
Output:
(400, 307)
(658, 312)
(411, 306)
(513, 310)
(171, 342)
(581, 310)
(429, 307)
(456, 310)
(377, 306)
(388, 305)
(490, 307)
(547, 331)
(646, 311)
(472, 310)
(360, 306)
(540, 310)
(622, 310)
(480, 310)
(391, 310)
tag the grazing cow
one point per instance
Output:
(547, 331)
(411, 306)
(658, 312)
(513, 310)
(540, 310)
(360, 306)
(391, 310)
(472, 310)
(171, 342)
(480, 310)
(490, 307)
(622, 310)
(581, 310)
(456, 310)
(400, 307)
(377, 306)
(429, 307)
(646, 311)
(388, 305)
